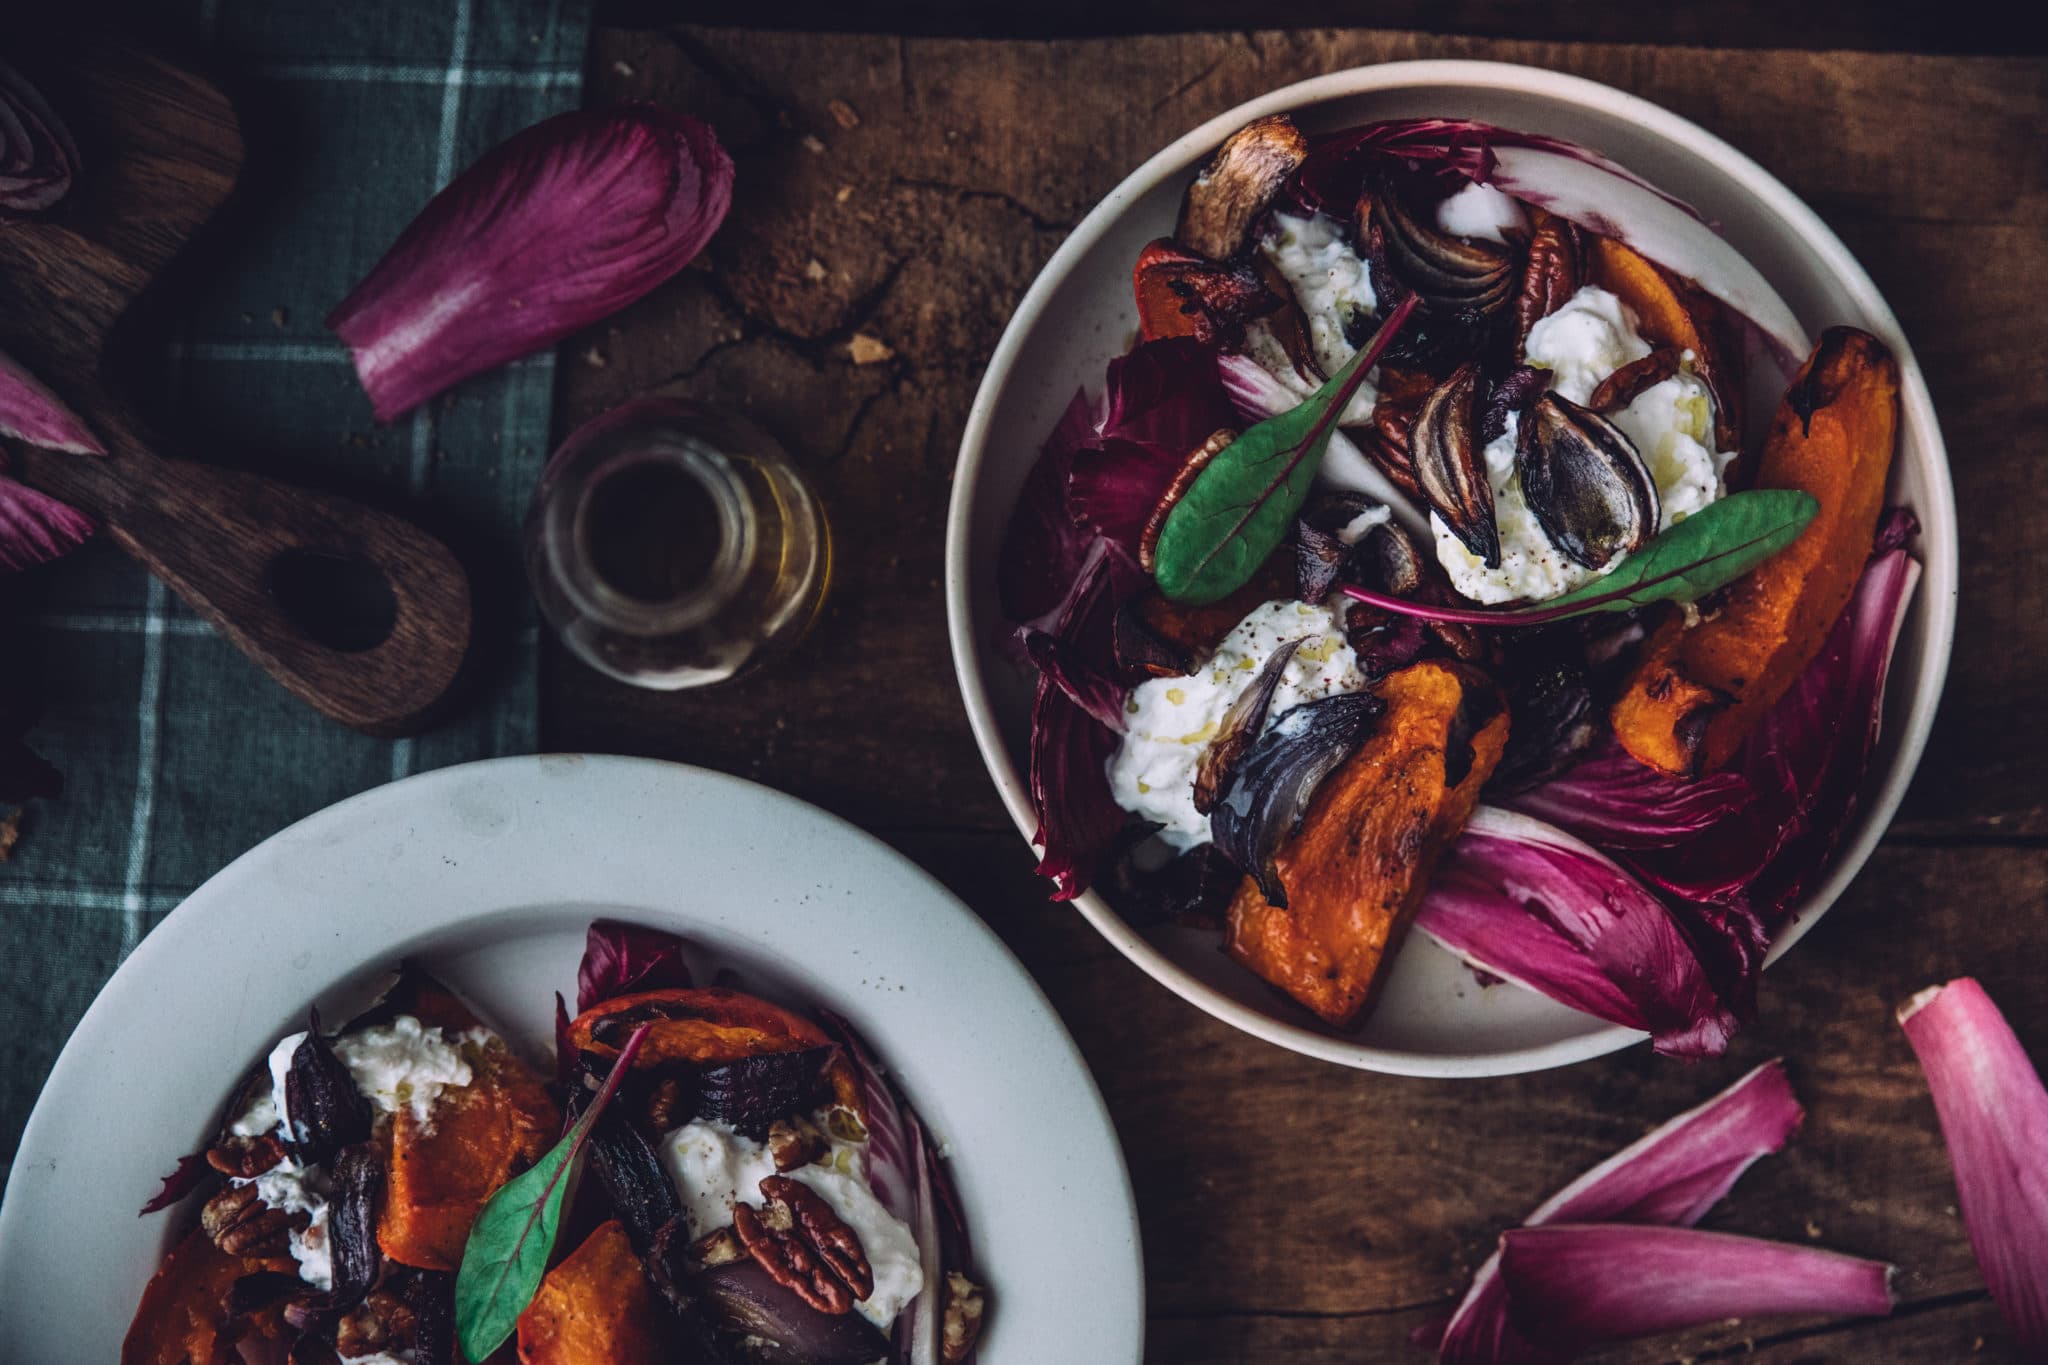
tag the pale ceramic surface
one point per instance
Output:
(1434, 1020)
(489, 874)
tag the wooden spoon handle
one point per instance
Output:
(266, 562)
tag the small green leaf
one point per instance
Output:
(1709, 549)
(512, 1239)
(1239, 508)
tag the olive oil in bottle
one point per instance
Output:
(672, 545)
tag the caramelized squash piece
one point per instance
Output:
(1696, 694)
(706, 1025)
(1670, 312)
(480, 1136)
(183, 1317)
(1356, 871)
(595, 1308)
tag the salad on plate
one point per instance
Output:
(1427, 562)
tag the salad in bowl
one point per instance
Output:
(708, 1176)
(1470, 542)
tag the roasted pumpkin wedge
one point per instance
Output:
(1356, 870)
(707, 1025)
(1696, 693)
(595, 1308)
(1671, 313)
(183, 1318)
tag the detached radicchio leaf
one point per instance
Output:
(1573, 1287)
(1994, 1117)
(1527, 902)
(557, 228)
(753, 1092)
(30, 412)
(38, 159)
(191, 1173)
(1672, 1175)
(620, 959)
(35, 528)
(323, 1108)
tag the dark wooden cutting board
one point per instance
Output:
(265, 562)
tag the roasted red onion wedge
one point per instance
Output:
(781, 1328)
(753, 1092)
(1450, 466)
(1585, 482)
(1242, 723)
(1267, 799)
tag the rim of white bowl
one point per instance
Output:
(1916, 411)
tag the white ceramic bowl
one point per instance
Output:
(1433, 1020)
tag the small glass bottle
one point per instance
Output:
(672, 545)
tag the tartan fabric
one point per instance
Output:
(178, 753)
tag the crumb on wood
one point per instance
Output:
(1813, 1230)
(815, 271)
(843, 113)
(845, 193)
(594, 358)
(622, 67)
(813, 143)
(867, 350)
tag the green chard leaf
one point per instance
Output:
(1709, 549)
(512, 1239)
(1239, 508)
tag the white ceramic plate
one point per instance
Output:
(489, 874)
(1433, 1019)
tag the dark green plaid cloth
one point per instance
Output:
(177, 752)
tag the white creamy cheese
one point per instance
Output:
(1482, 212)
(1169, 722)
(402, 1064)
(1670, 424)
(714, 1167)
(1333, 285)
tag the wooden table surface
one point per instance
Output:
(906, 191)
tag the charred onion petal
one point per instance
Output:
(1197, 461)
(1383, 641)
(1584, 481)
(1241, 724)
(1265, 802)
(1318, 558)
(1451, 273)
(357, 1176)
(1332, 509)
(311, 1350)
(1386, 559)
(785, 1329)
(1226, 199)
(1181, 294)
(641, 1193)
(325, 1110)
(1555, 723)
(1513, 392)
(1450, 466)
(1621, 388)
(1481, 701)
(255, 1292)
(753, 1092)
(1142, 652)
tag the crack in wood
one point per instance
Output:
(966, 192)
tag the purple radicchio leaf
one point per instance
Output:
(1614, 802)
(1166, 394)
(30, 412)
(560, 226)
(35, 528)
(1994, 1117)
(1805, 763)
(1574, 182)
(38, 159)
(190, 1174)
(620, 959)
(1674, 1174)
(1527, 902)
(1572, 1287)
(1113, 488)
(1043, 547)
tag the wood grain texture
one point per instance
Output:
(162, 150)
(1293, 1211)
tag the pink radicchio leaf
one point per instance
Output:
(1674, 1174)
(1044, 547)
(1806, 762)
(1576, 183)
(1574, 1286)
(1165, 394)
(555, 229)
(30, 412)
(35, 528)
(891, 1160)
(1614, 802)
(1114, 488)
(1994, 1117)
(1529, 903)
(38, 159)
(619, 959)
(1257, 395)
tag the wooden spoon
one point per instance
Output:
(256, 557)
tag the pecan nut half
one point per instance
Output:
(796, 1142)
(1551, 275)
(241, 1224)
(965, 1305)
(804, 1247)
(245, 1158)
